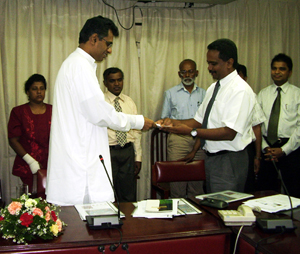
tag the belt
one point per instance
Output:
(118, 147)
(217, 153)
(279, 143)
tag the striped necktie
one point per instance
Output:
(121, 135)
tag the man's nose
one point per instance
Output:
(109, 50)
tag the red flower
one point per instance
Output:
(26, 219)
(1, 218)
(53, 215)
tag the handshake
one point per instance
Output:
(169, 125)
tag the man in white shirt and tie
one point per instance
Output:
(281, 138)
(226, 130)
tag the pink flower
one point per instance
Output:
(26, 219)
(14, 207)
(47, 216)
(59, 224)
(38, 211)
(47, 208)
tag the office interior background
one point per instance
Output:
(37, 35)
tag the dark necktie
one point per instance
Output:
(274, 118)
(121, 135)
(208, 109)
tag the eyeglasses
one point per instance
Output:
(108, 43)
(185, 72)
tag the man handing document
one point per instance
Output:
(223, 120)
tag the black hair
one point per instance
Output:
(34, 78)
(112, 70)
(227, 49)
(283, 58)
(98, 25)
(188, 60)
(242, 68)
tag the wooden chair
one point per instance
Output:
(175, 171)
(41, 183)
(158, 152)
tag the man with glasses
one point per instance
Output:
(181, 102)
(80, 118)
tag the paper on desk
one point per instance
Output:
(180, 207)
(274, 203)
(140, 211)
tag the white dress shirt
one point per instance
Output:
(233, 108)
(80, 118)
(289, 120)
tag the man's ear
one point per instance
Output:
(230, 63)
(93, 38)
(104, 83)
(179, 75)
(196, 73)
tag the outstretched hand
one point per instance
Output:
(148, 124)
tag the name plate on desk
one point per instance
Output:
(103, 221)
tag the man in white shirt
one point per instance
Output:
(284, 149)
(125, 152)
(228, 127)
(80, 118)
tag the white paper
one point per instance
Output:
(228, 196)
(274, 203)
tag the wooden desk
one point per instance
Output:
(202, 233)
(286, 243)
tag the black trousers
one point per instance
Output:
(289, 166)
(123, 167)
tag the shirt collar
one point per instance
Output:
(87, 56)
(182, 87)
(228, 78)
(112, 97)
(284, 87)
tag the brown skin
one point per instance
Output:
(114, 84)
(36, 96)
(218, 69)
(280, 73)
(188, 66)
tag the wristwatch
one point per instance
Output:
(194, 133)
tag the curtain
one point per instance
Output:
(37, 35)
(260, 28)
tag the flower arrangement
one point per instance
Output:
(25, 218)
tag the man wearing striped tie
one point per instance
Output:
(125, 147)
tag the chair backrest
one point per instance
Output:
(158, 144)
(177, 171)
